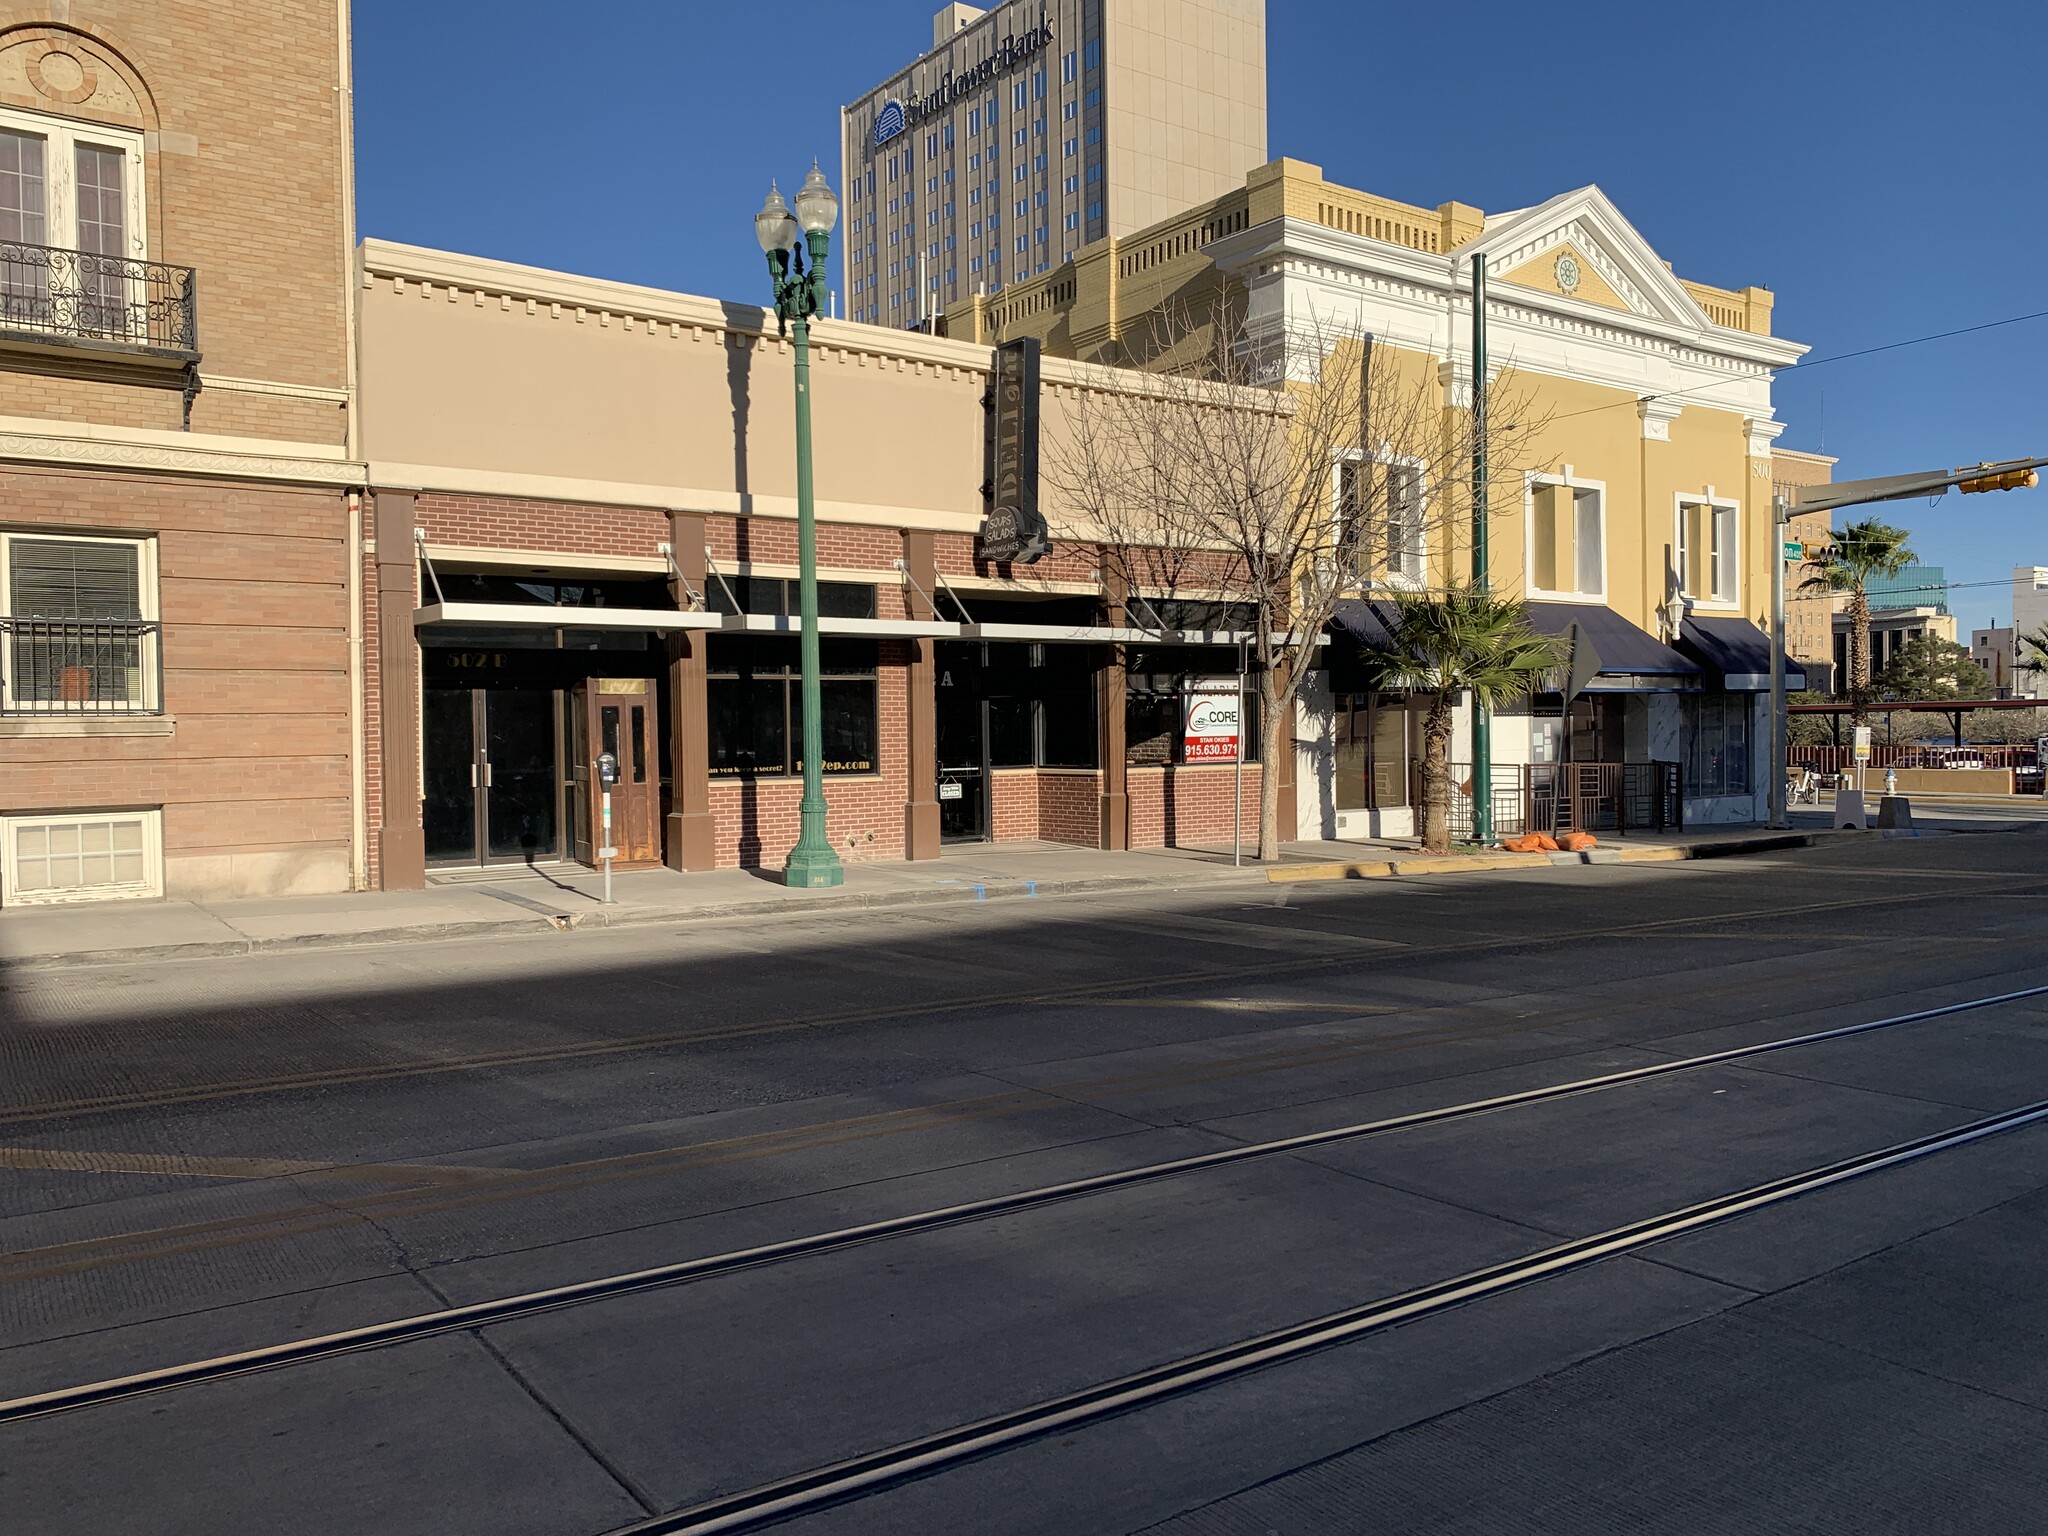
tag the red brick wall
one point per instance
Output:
(373, 701)
(496, 522)
(757, 822)
(1182, 807)
(1067, 562)
(252, 590)
(1054, 805)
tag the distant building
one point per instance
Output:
(1809, 616)
(1997, 652)
(1917, 586)
(1033, 128)
(2029, 598)
(1891, 630)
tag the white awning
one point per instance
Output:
(871, 629)
(551, 616)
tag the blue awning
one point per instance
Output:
(1737, 652)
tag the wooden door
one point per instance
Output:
(617, 715)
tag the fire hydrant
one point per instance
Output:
(1891, 781)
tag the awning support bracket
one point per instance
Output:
(931, 602)
(711, 565)
(419, 539)
(946, 586)
(1134, 596)
(668, 553)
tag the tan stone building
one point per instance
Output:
(176, 412)
(584, 540)
(1032, 128)
(1809, 615)
(1634, 499)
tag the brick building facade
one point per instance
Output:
(177, 599)
(552, 453)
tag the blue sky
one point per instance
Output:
(1880, 166)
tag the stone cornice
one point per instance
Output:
(443, 274)
(29, 440)
(1272, 249)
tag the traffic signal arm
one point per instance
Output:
(2004, 480)
(2011, 475)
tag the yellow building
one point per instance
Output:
(1632, 425)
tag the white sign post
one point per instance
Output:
(1849, 811)
(608, 850)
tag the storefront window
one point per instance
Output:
(1373, 742)
(1156, 699)
(780, 598)
(1717, 744)
(755, 707)
(1040, 700)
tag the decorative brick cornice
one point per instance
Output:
(134, 454)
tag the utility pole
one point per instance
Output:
(1781, 519)
(1482, 724)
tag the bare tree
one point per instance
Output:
(1279, 473)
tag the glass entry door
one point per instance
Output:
(493, 776)
(963, 745)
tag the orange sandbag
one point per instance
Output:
(1535, 842)
(1578, 842)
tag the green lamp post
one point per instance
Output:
(799, 295)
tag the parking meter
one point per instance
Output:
(607, 775)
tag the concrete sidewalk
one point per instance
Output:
(557, 898)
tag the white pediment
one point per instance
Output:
(1594, 232)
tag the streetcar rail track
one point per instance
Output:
(439, 1196)
(535, 1303)
(864, 1476)
(180, 1096)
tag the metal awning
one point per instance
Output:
(1631, 660)
(1738, 651)
(943, 629)
(550, 616)
(1108, 634)
(870, 629)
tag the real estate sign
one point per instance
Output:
(1212, 712)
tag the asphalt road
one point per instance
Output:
(205, 1158)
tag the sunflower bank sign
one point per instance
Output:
(1013, 52)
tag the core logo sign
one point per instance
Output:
(1211, 733)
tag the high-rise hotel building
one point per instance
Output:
(1033, 128)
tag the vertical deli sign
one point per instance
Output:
(1013, 532)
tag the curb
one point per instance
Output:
(548, 920)
(1449, 864)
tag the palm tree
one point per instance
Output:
(2033, 651)
(1860, 553)
(1445, 644)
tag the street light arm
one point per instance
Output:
(1856, 493)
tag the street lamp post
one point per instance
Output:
(799, 295)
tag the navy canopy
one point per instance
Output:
(1737, 651)
(1631, 660)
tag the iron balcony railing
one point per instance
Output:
(69, 667)
(46, 290)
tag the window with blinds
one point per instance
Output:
(78, 620)
(1567, 528)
